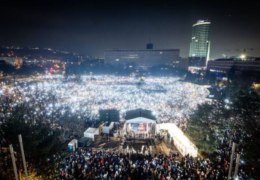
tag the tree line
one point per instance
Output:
(235, 112)
(10, 70)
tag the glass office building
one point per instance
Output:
(200, 44)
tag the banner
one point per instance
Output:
(139, 127)
(135, 127)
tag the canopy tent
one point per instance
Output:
(140, 127)
(91, 132)
(182, 143)
(140, 120)
(107, 127)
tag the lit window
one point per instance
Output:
(117, 59)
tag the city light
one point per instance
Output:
(226, 101)
(242, 56)
(121, 93)
(94, 99)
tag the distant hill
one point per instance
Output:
(36, 53)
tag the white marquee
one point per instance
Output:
(140, 120)
(182, 143)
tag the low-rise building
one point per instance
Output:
(249, 68)
(141, 59)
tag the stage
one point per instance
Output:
(139, 128)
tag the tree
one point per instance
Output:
(232, 74)
(199, 128)
(44, 149)
(7, 69)
(246, 110)
(237, 111)
(29, 70)
(208, 122)
(71, 124)
(209, 78)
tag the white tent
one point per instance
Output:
(140, 120)
(182, 143)
(91, 132)
(106, 129)
(149, 130)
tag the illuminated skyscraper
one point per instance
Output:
(200, 44)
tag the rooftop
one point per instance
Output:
(238, 59)
(143, 50)
(202, 21)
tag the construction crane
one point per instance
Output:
(244, 50)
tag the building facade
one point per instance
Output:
(141, 58)
(249, 68)
(181, 63)
(200, 43)
(197, 62)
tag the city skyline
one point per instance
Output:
(92, 27)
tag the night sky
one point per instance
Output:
(90, 27)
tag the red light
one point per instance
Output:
(253, 168)
(51, 70)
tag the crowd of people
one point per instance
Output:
(151, 165)
(170, 99)
(113, 165)
(48, 96)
